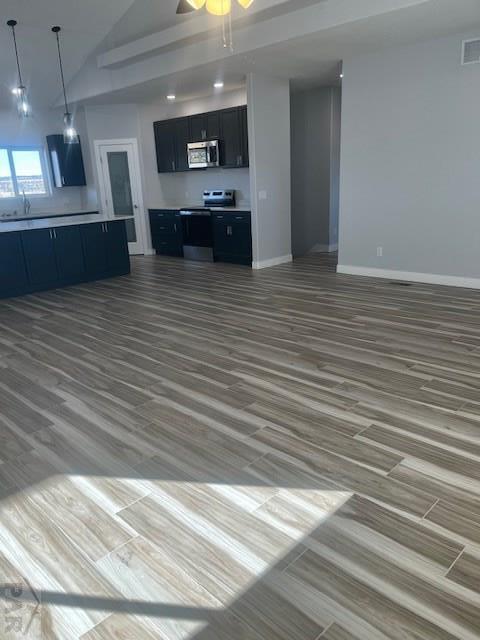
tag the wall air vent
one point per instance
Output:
(471, 51)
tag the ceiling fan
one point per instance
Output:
(215, 7)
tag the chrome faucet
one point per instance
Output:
(27, 205)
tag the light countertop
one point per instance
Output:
(53, 223)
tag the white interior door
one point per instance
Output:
(121, 187)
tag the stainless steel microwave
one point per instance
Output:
(202, 155)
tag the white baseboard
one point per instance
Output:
(273, 262)
(324, 248)
(411, 276)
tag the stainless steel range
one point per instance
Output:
(197, 224)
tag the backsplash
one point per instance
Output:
(178, 189)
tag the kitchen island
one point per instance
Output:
(46, 253)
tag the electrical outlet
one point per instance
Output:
(379, 252)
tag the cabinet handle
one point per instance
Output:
(50, 232)
(229, 231)
(173, 165)
(63, 180)
(204, 134)
(175, 227)
(106, 227)
(55, 234)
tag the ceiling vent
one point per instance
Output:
(471, 51)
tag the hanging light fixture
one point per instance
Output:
(219, 7)
(215, 7)
(20, 91)
(70, 135)
(222, 8)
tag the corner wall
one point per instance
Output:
(269, 141)
(410, 174)
(315, 126)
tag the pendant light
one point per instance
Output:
(20, 90)
(70, 135)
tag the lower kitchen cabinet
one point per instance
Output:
(13, 272)
(105, 249)
(166, 228)
(69, 253)
(232, 237)
(41, 259)
(39, 249)
(53, 256)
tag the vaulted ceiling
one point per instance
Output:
(134, 50)
(86, 23)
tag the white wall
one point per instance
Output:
(269, 140)
(315, 169)
(109, 122)
(410, 176)
(32, 132)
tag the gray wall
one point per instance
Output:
(315, 135)
(269, 138)
(33, 132)
(410, 177)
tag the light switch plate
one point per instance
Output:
(262, 195)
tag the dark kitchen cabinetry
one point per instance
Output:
(165, 146)
(171, 140)
(233, 133)
(232, 237)
(166, 228)
(39, 249)
(69, 253)
(41, 259)
(228, 125)
(13, 273)
(182, 138)
(67, 162)
(205, 126)
(105, 249)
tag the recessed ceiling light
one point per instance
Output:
(341, 76)
(16, 91)
(171, 96)
(218, 85)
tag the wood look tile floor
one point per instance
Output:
(204, 452)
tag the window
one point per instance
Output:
(22, 169)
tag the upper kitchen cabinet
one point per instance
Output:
(171, 139)
(205, 126)
(165, 146)
(229, 126)
(182, 138)
(234, 134)
(66, 162)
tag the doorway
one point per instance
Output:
(118, 168)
